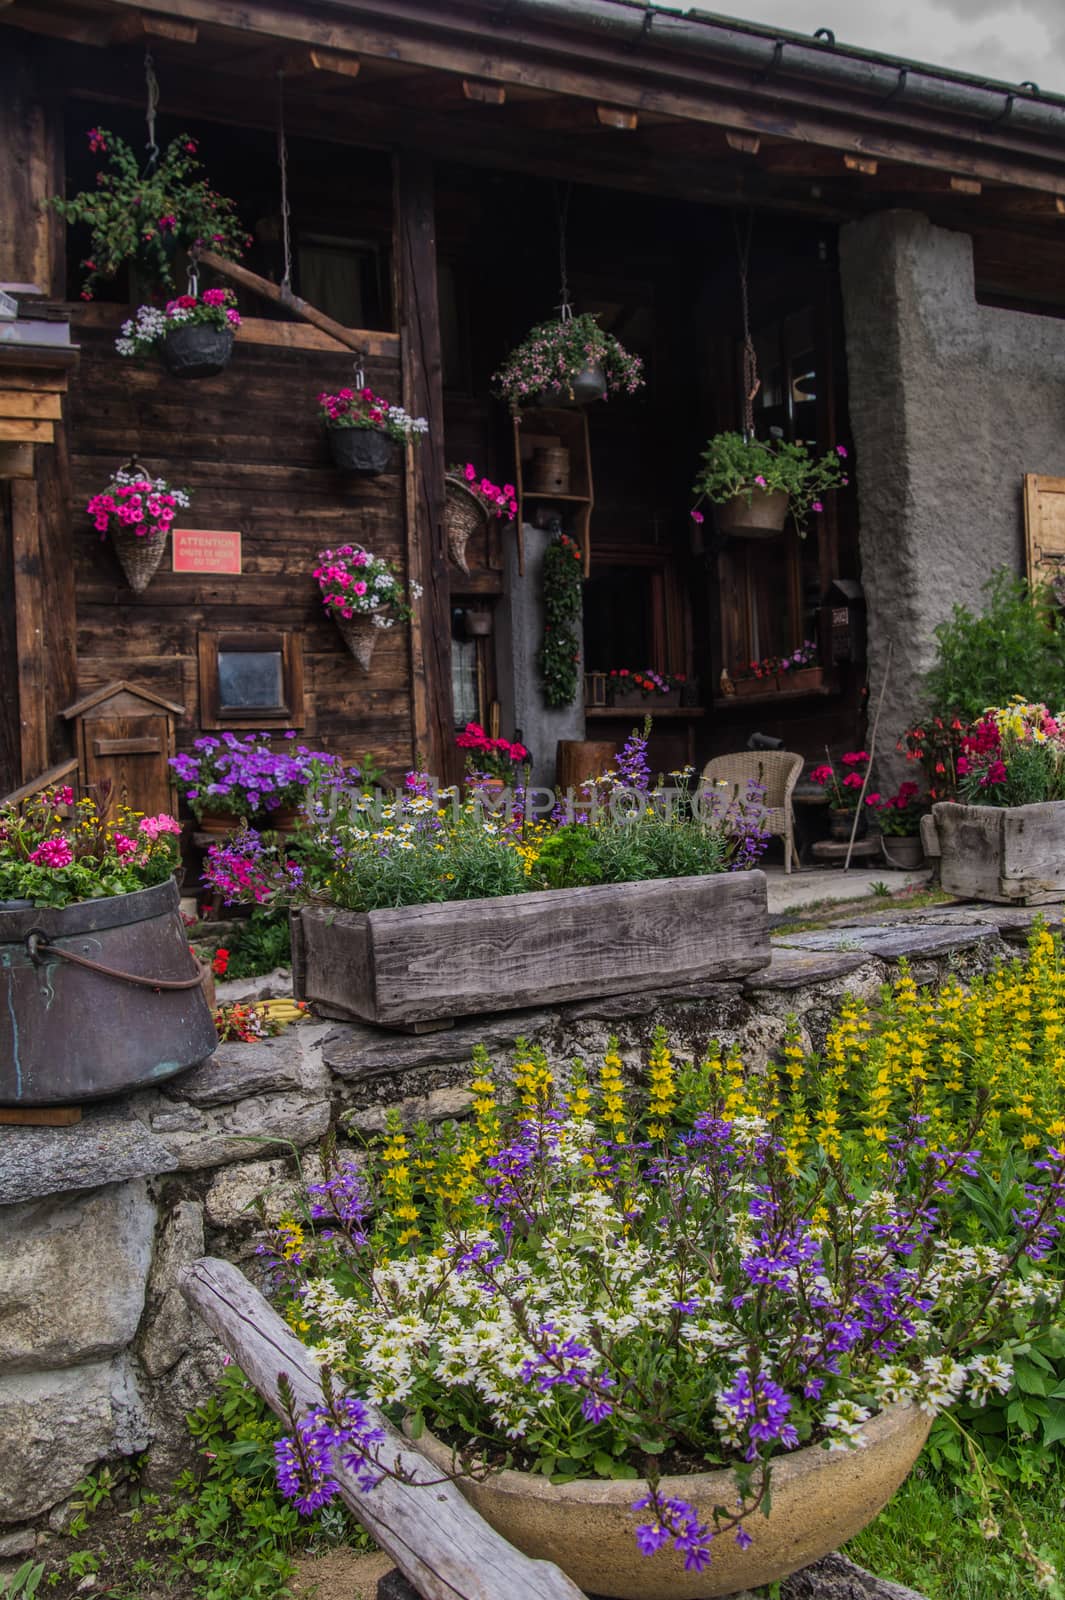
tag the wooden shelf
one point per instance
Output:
(542, 494)
(778, 697)
(616, 713)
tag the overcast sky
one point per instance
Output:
(995, 38)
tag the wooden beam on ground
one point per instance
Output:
(417, 310)
(614, 117)
(231, 270)
(485, 94)
(143, 25)
(432, 1534)
(29, 628)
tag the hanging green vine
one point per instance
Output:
(558, 659)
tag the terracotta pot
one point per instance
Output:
(902, 850)
(217, 822)
(286, 819)
(360, 633)
(139, 555)
(366, 452)
(197, 351)
(820, 1499)
(764, 516)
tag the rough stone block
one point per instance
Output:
(105, 1147)
(892, 941)
(237, 1071)
(57, 1425)
(19, 1542)
(439, 1105)
(792, 968)
(213, 1136)
(73, 1277)
(172, 1328)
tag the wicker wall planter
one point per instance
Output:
(412, 964)
(464, 514)
(360, 633)
(1007, 854)
(139, 555)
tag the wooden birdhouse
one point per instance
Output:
(125, 738)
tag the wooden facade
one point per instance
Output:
(429, 145)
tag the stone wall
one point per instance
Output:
(951, 403)
(100, 1357)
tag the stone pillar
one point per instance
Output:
(951, 403)
(521, 627)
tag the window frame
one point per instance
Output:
(289, 645)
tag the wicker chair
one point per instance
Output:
(779, 770)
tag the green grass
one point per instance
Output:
(928, 1537)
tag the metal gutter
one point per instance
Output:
(772, 53)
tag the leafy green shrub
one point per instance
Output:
(1015, 646)
(567, 859)
(259, 945)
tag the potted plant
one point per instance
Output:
(136, 511)
(558, 659)
(1005, 840)
(843, 787)
(470, 500)
(490, 763)
(652, 1347)
(626, 687)
(899, 820)
(362, 428)
(144, 216)
(756, 483)
(567, 361)
(798, 672)
(233, 778)
(364, 595)
(761, 677)
(102, 993)
(194, 333)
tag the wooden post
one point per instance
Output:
(10, 741)
(29, 628)
(418, 315)
(31, 238)
(432, 1534)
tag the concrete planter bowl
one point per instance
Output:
(1013, 855)
(428, 963)
(820, 1499)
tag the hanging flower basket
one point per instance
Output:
(362, 428)
(756, 483)
(136, 511)
(567, 361)
(582, 389)
(194, 334)
(197, 351)
(366, 452)
(363, 594)
(464, 513)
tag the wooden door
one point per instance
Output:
(1044, 530)
(131, 754)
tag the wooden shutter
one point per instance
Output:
(1044, 530)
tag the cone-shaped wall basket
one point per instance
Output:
(360, 633)
(139, 554)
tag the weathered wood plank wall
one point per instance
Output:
(249, 447)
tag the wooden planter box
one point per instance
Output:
(1001, 853)
(418, 964)
(802, 680)
(642, 702)
(750, 688)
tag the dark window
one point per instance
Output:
(251, 678)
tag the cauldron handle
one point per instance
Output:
(38, 942)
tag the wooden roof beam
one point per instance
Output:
(146, 25)
(484, 94)
(614, 117)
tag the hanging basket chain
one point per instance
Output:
(562, 200)
(751, 381)
(152, 86)
(282, 162)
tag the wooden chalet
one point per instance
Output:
(905, 237)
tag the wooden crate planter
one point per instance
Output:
(1008, 854)
(428, 963)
